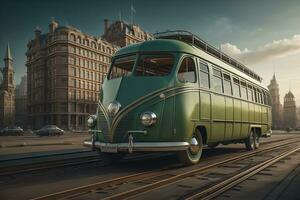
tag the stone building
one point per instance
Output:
(289, 111)
(121, 33)
(21, 103)
(277, 109)
(65, 70)
(7, 91)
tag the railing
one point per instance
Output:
(190, 38)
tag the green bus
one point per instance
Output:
(177, 93)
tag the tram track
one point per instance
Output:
(229, 183)
(48, 164)
(161, 178)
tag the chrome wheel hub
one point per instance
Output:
(194, 146)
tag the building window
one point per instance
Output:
(73, 37)
(79, 39)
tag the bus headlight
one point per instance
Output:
(113, 108)
(148, 118)
(91, 121)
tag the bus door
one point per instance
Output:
(186, 98)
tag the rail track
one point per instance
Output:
(153, 180)
(6, 170)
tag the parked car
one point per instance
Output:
(50, 130)
(12, 130)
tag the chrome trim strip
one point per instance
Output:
(142, 132)
(144, 146)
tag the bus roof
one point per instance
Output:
(172, 45)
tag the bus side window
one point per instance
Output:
(227, 84)
(187, 71)
(236, 88)
(217, 81)
(250, 93)
(243, 90)
(204, 75)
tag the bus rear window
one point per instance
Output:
(154, 65)
(122, 67)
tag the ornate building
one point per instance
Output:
(277, 109)
(21, 103)
(289, 111)
(65, 69)
(7, 91)
(121, 33)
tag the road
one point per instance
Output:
(276, 181)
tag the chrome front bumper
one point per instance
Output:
(141, 146)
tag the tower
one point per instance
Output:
(290, 113)
(7, 91)
(276, 105)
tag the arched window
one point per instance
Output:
(94, 45)
(87, 42)
(108, 50)
(72, 37)
(79, 39)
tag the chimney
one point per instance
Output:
(37, 32)
(105, 25)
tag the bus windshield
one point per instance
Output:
(122, 67)
(154, 65)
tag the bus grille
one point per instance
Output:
(125, 125)
(103, 126)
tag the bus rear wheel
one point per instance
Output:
(193, 154)
(252, 142)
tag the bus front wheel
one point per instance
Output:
(193, 154)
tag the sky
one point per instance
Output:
(262, 34)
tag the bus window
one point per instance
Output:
(255, 95)
(217, 81)
(187, 71)
(227, 84)
(265, 98)
(261, 97)
(236, 87)
(204, 75)
(154, 65)
(243, 90)
(122, 67)
(250, 93)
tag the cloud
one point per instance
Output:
(276, 49)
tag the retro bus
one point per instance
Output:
(177, 93)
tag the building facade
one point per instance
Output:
(7, 91)
(121, 33)
(277, 109)
(290, 111)
(21, 103)
(65, 70)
